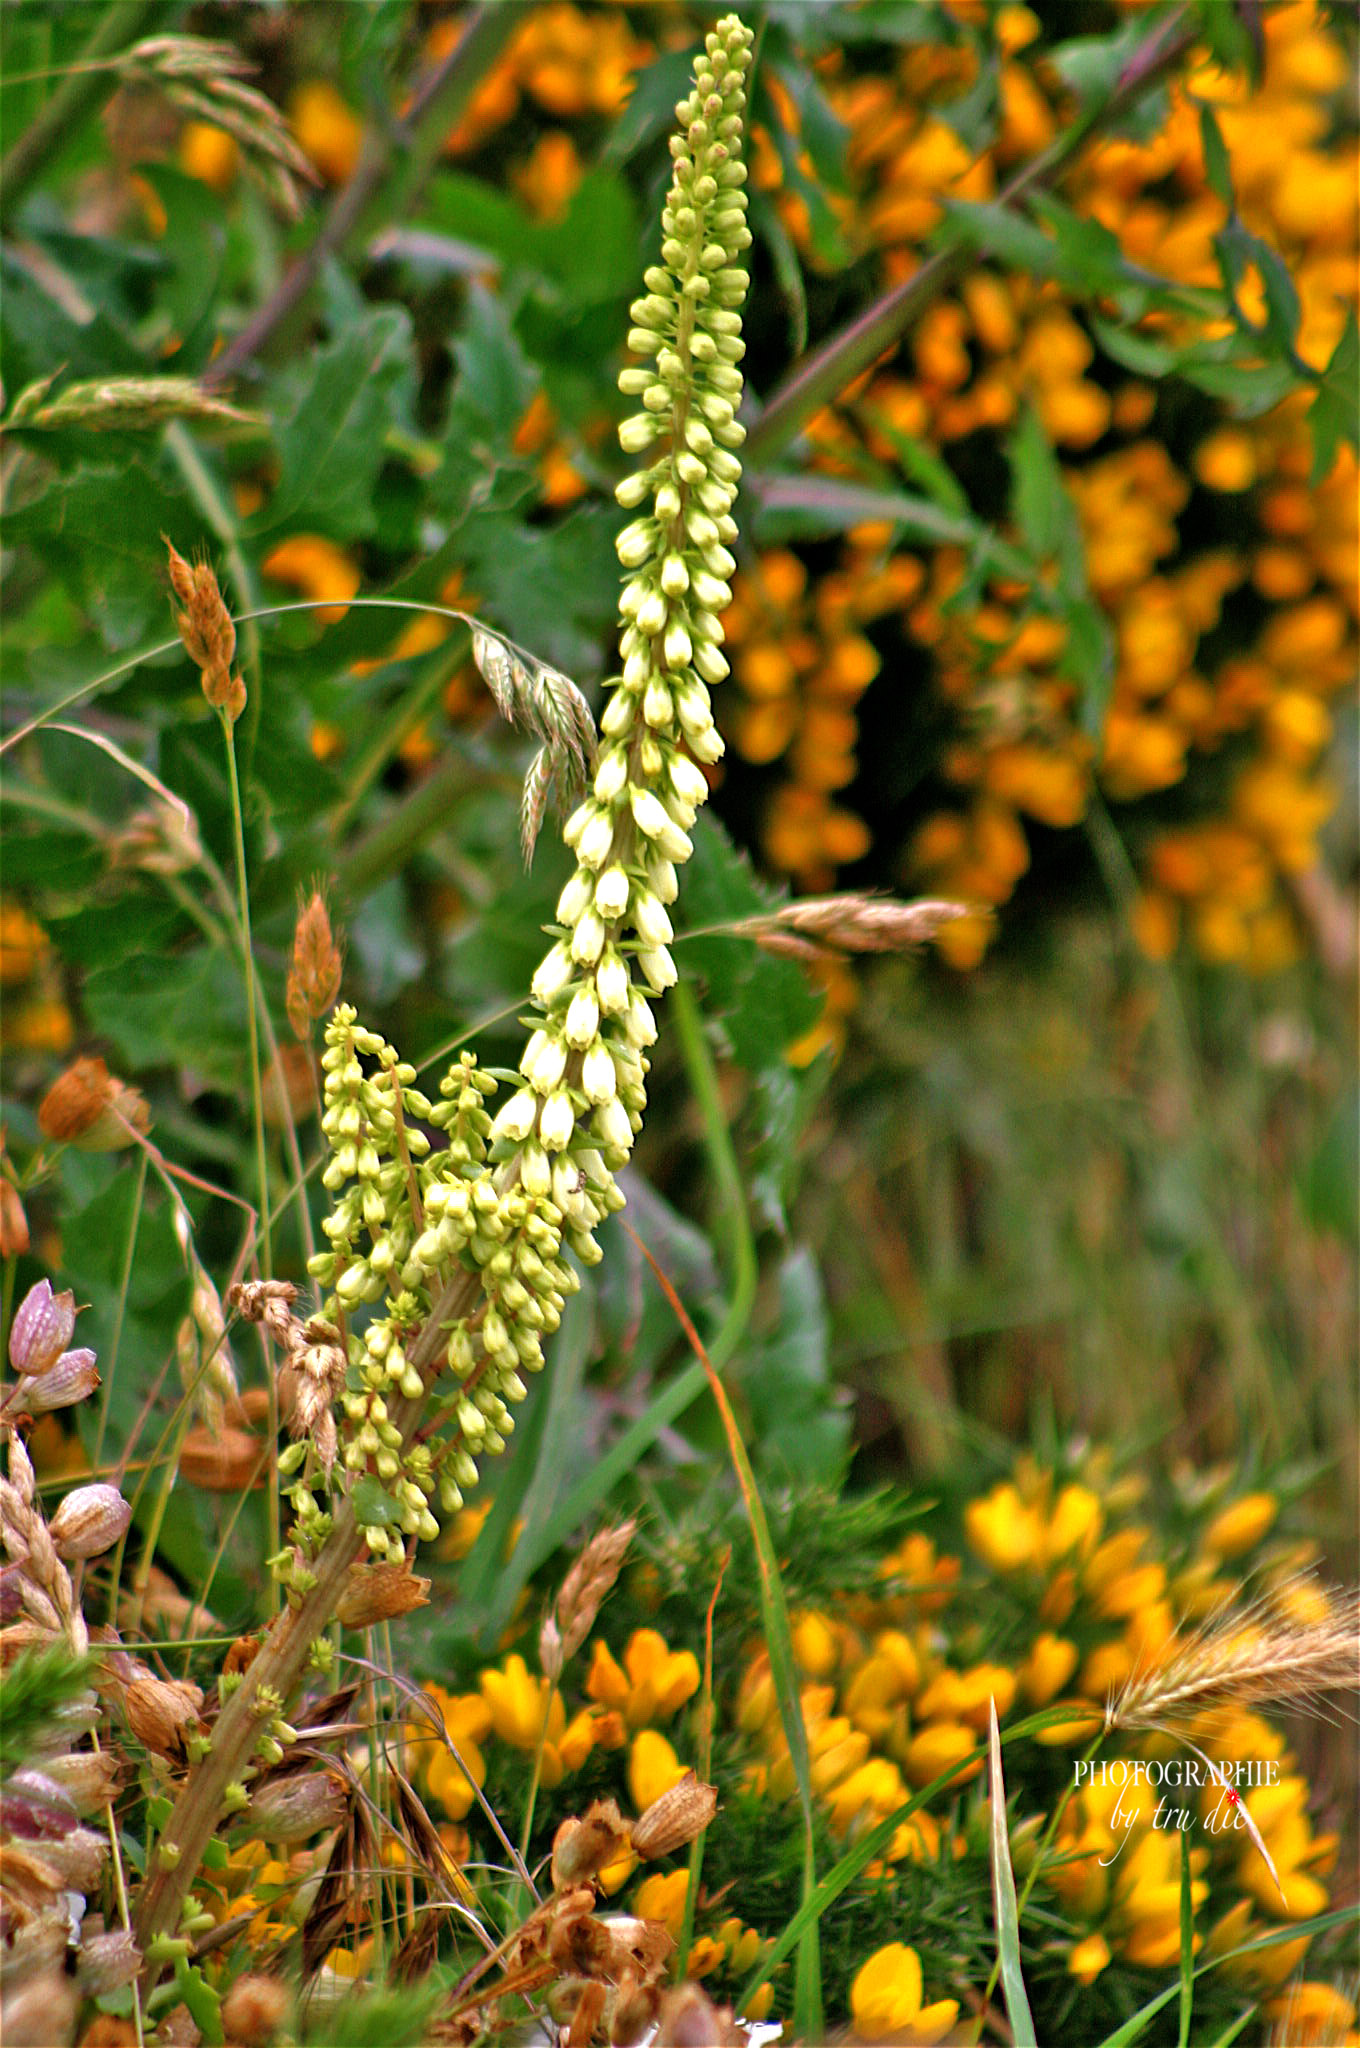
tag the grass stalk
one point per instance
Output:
(257, 1114)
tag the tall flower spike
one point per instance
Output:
(585, 1066)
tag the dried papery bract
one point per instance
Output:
(676, 1818)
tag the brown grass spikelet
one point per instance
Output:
(91, 1108)
(315, 967)
(205, 626)
(583, 1593)
(853, 922)
(1241, 1656)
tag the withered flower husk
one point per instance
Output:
(222, 1460)
(71, 1379)
(380, 1592)
(43, 1326)
(90, 1108)
(676, 1817)
(89, 1521)
(689, 2019)
(295, 1808)
(107, 1961)
(585, 1846)
(161, 1712)
(254, 2009)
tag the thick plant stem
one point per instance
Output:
(826, 372)
(89, 83)
(279, 1666)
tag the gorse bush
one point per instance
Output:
(338, 1707)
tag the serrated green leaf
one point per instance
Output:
(331, 441)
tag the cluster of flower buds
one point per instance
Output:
(574, 1120)
(408, 1215)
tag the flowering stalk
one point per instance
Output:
(463, 1244)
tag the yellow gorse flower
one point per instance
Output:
(653, 1683)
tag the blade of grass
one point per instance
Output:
(704, 1720)
(1231, 2032)
(1187, 1944)
(1298, 1930)
(807, 2018)
(1003, 1897)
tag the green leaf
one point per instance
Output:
(1187, 1956)
(1003, 1897)
(331, 443)
(1040, 506)
(99, 529)
(763, 1003)
(194, 250)
(374, 1507)
(996, 230)
(186, 1013)
(1217, 167)
(801, 1425)
(1334, 415)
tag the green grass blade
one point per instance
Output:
(1230, 2033)
(1187, 1943)
(1003, 1897)
(1298, 1930)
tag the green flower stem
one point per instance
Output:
(266, 1228)
(722, 1159)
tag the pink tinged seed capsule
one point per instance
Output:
(71, 1379)
(41, 1330)
(90, 1521)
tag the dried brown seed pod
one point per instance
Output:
(582, 1847)
(380, 1592)
(91, 1108)
(161, 1712)
(221, 1460)
(90, 1521)
(676, 1817)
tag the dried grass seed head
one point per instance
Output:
(315, 967)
